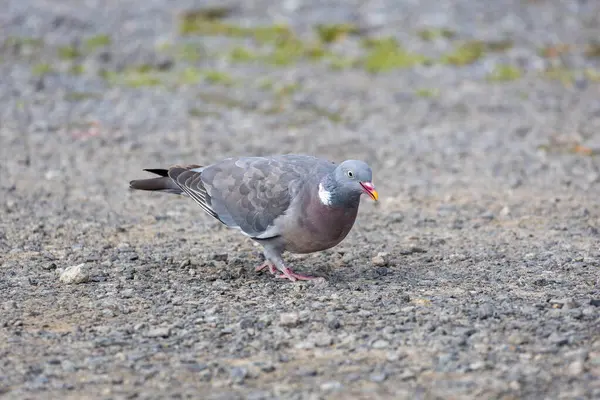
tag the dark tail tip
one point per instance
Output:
(158, 171)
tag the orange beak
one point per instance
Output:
(370, 190)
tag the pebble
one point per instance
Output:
(380, 344)
(49, 267)
(331, 386)
(407, 374)
(290, 319)
(566, 303)
(75, 274)
(238, 374)
(323, 339)
(378, 377)
(485, 311)
(558, 339)
(123, 246)
(159, 332)
(576, 368)
(517, 339)
(380, 260)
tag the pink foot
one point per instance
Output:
(266, 264)
(292, 276)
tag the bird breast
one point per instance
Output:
(316, 226)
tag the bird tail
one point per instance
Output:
(162, 184)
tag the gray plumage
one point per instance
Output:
(294, 203)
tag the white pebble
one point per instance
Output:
(75, 274)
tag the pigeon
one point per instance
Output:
(295, 203)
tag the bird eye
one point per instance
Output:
(350, 174)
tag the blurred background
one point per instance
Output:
(475, 276)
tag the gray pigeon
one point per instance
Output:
(294, 203)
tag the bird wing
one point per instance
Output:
(249, 193)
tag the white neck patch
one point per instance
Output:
(324, 195)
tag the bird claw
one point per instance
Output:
(266, 264)
(292, 276)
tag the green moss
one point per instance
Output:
(42, 69)
(292, 50)
(218, 77)
(96, 42)
(68, 52)
(287, 90)
(427, 93)
(11, 41)
(241, 54)
(592, 74)
(504, 73)
(197, 113)
(190, 52)
(563, 75)
(207, 22)
(139, 76)
(499, 45)
(430, 34)
(271, 34)
(338, 62)
(198, 23)
(190, 76)
(465, 54)
(208, 13)
(386, 54)
(77, 69)
(329, 33)
(265, 84)
(79, 96)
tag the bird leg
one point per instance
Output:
(275, 262)
(292, 276)
(266, 264)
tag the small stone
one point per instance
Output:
(558, 339)
(514, 385)
(566, 303)
(380, 344)
(220, 257)
(488, 215)
(576, 368)
(238, 374)
(323, 340)
(304, 345)
(331, 386)
(123, 246)
(378, 377)
(334, 324)
(595, 302)
(185, 263)
(289, 319)
(477, 365)
(412, 250)
(380, 260)
(159, 332)
(267, 367)
(485, 311)
(49, 267)
(407, 374)
(517, 339)
(75, 274)
(138, 327)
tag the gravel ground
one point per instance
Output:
(477, 275)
